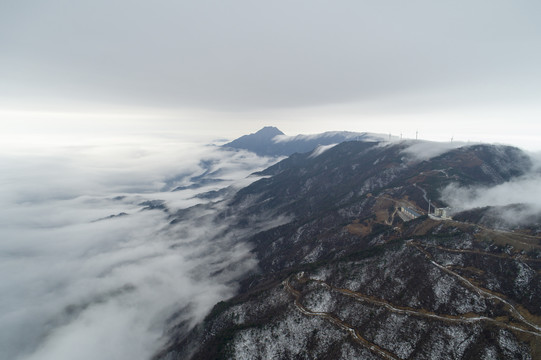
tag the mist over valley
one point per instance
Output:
(270, 180)
(113, 252)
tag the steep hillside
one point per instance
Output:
(352, 274)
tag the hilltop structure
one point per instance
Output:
(442, 213)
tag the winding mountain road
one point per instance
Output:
(484, 293)
(339, 322)
(521, 324)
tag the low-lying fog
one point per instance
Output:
(77, 283)
(92, 268)
(523, 189)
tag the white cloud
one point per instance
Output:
(320, 150)
(347, 135)
(523, 190)
(73, 287)
(424, 150)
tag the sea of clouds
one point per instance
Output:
(90, 269)
(79, 283)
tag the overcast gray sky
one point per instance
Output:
(465, 68)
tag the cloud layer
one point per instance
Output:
(79, 284)
(242, 54)
(522, 190)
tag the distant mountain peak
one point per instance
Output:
(269, 131)
(270, 141)
(260, 142)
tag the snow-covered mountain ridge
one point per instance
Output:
(346, 273)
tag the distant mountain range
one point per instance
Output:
(270, 141)
(346, 274)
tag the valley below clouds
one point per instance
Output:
(92, 266)
(108, 245)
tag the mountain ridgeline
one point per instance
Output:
(269, 141)
(348, 272)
